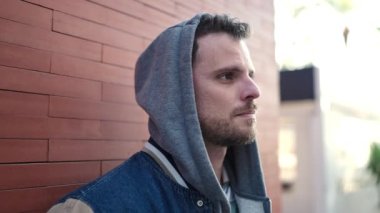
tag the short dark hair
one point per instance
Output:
(219, 23)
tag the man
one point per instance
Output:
(196, 82)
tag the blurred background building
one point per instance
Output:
(328, 52)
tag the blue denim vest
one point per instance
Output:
(140, 185)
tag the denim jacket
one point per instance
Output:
(139, 185)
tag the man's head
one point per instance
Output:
(216, 24)
(223, 81)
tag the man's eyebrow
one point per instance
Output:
(234, 68)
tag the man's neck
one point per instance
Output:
(216, 154)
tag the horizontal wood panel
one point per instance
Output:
(26, 13)
(46, 83)
(80, 68)
(17, 176)
(95, 32)
(17, 150)
(24, 57)
(25, 35)
(79, 150)
(85, 109)
(18, 103)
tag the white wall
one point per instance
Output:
(332, 148)
(306, 193)
(349, 135)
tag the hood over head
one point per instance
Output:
(164, 89)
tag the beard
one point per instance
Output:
(223, 132)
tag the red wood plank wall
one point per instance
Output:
(67, 107)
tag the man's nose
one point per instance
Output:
(250, 90)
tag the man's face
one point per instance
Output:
(225, 90)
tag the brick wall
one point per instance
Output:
(67, 108)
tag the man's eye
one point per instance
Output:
(227, 76)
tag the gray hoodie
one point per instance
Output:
(164, 89)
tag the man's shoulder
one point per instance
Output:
(124, 187)
(133, 170)
(137, 165)
(125, 180)
(137, 185)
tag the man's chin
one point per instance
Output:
(242, 137)
(245, 121)
(228, 132)
(247, 134)
(246, 127)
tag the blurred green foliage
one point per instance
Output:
(341, 5)
(374, 162)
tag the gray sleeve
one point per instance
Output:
(71, 206)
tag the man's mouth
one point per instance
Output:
(246, 111)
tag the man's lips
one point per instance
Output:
(248, 113)
(249, 110)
